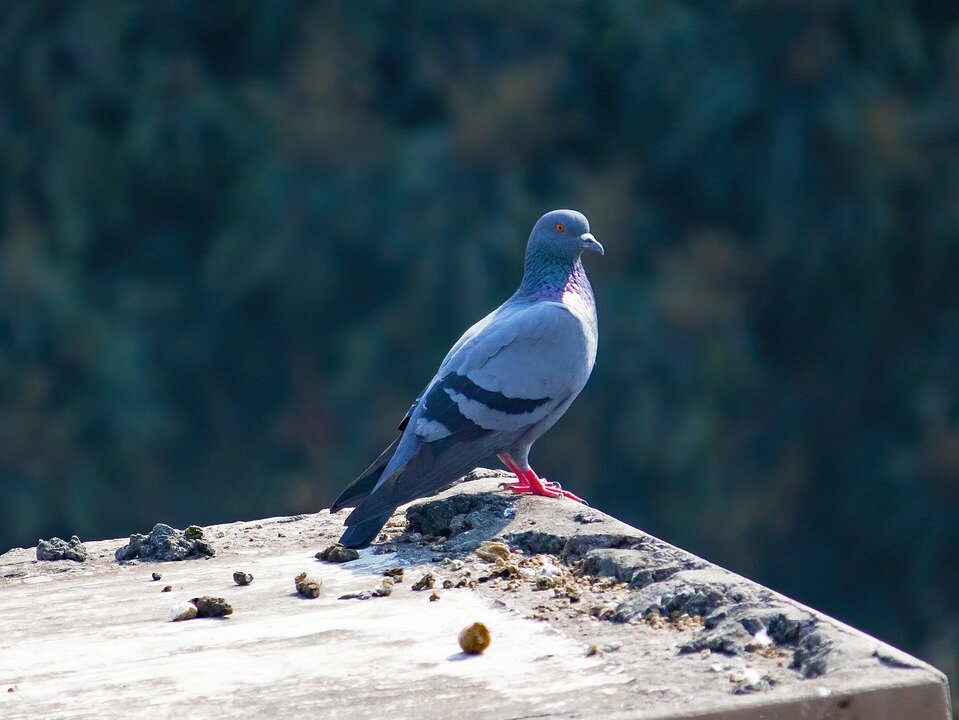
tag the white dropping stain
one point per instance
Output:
(36, 580)
(762, 637)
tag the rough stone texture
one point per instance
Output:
(588, 617)
(165, 543)
(57, 549)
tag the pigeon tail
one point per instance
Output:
(361, 534)
(360, 488)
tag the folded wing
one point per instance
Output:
(506, 374)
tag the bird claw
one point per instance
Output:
(546, 489)
(558, 489)
(517, 487)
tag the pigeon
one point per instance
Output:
(504, 383)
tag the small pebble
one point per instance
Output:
(336, 553)
(363, 595)
(434, 596)
(384, 589)
(545, 582)
(193, 532)
(242, 578)
(307, 586)
(591, 650)
(447, 584)
(395, 573)
(208, 606)
(602, 612)
(167, 588)
(474, 639)
(425, 583)
(492, 551)
(156, 576)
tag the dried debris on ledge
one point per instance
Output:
(616, 591)
(306, 586)
(165, 544)
(336, 553)
(57, 549)
(621, 577)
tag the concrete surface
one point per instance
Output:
(589, 617)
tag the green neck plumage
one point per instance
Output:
(547, 275)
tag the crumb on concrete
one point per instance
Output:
(208, 606)
(385, 588)
(306, 586)
(491, 551)
(474, 639)
(242, 578)
(336, 553)
(425, 583)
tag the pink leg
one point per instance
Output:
(522, 484)
(529, 482)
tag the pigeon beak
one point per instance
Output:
(591, 243)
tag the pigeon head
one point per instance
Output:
(562, 234)
(553, 253)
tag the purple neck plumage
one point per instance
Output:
(548, 278)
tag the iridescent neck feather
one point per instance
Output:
(549, 277)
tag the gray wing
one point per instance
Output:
(513, 372)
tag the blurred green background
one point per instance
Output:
(236, 239)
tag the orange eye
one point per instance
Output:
(560, 227)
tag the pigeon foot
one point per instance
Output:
(529, 483)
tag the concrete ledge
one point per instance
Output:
(589, 618)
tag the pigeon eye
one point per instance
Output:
(560, 227)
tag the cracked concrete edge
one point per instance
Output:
(877, 680)
(580, 535)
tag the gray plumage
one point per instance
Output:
(504, 383)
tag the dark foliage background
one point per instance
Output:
(237, 238)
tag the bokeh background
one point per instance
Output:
(237, 238)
